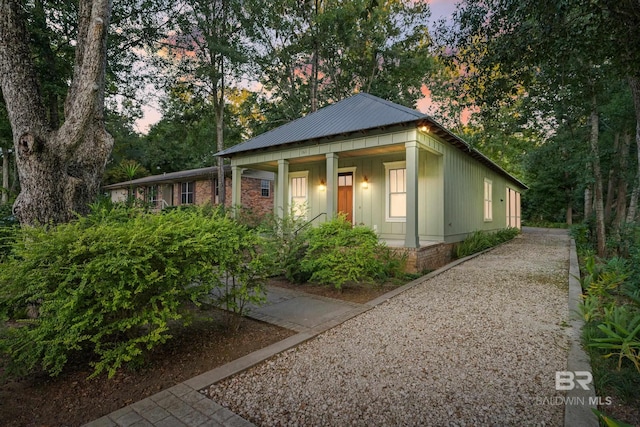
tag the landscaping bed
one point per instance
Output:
(72, 400)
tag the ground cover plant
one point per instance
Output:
(480, 240)
(113, 282)
(611, 310)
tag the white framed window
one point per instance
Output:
(152, 195)
(396, 191)
(298, 192)
(186, 193)
(488, 200)
(265, 188)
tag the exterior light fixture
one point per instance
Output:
(322, 186)
(424, 128)
(365, 183)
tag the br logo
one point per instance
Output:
(568, 380)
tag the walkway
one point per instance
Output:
(416, 347)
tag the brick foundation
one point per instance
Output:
(429, 257)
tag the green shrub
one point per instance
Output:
(621, 329)
(339, 254)
(480, 240)
(287, 244)
(112, 282)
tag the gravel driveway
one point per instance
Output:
(476, 345)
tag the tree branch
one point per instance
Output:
(17, 77)
(85, 98)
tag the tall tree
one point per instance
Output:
(60, 165)
(559, 52)
(5, 151)
(315, 52)
(208, 52)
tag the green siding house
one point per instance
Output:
(386, 166)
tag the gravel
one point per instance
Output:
(476, 345)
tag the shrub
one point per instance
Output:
(287, 244)
(621, 329)
(480, 240)
(112, 282)
(339, 253)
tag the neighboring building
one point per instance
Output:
(387, 166)
(198, 187)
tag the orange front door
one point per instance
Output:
(345, 195)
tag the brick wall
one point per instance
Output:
(251, 194)
(428, 257)
(252, 197)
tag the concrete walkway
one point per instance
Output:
(309, 315)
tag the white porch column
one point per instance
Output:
(236, 187)
(412, 240)
(332, 185)
(282, 191)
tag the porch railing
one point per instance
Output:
(306, 224)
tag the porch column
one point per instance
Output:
(332, 185)
(412, 240)
(236, 187)
(282, 191)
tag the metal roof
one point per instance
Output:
(356, 113)
(190, 174)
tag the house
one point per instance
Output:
(392, 168)
(198, 187)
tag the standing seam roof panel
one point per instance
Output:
(359, 112)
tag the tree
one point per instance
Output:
(5, 152)
(311, 53)
(60, 165)
(558, 53)
(208, 51)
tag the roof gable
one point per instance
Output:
(359, 112)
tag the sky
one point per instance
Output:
(439, 9)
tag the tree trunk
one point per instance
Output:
(611, 181)
(314, 64)
(59, 169)
(222, 188)
(588, 203)
(597, 176)
(634, 83)
(621, 203)
(5, 176)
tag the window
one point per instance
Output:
(152, 195)
(396, 198)
(216, 191)
(265, 187)
(298, 192)
(186, 193)
(488, 201)
(513, 208)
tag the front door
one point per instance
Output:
(345, 195)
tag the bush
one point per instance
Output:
(112, 282)
(481, 240)
(287, 244)
(339, 253)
